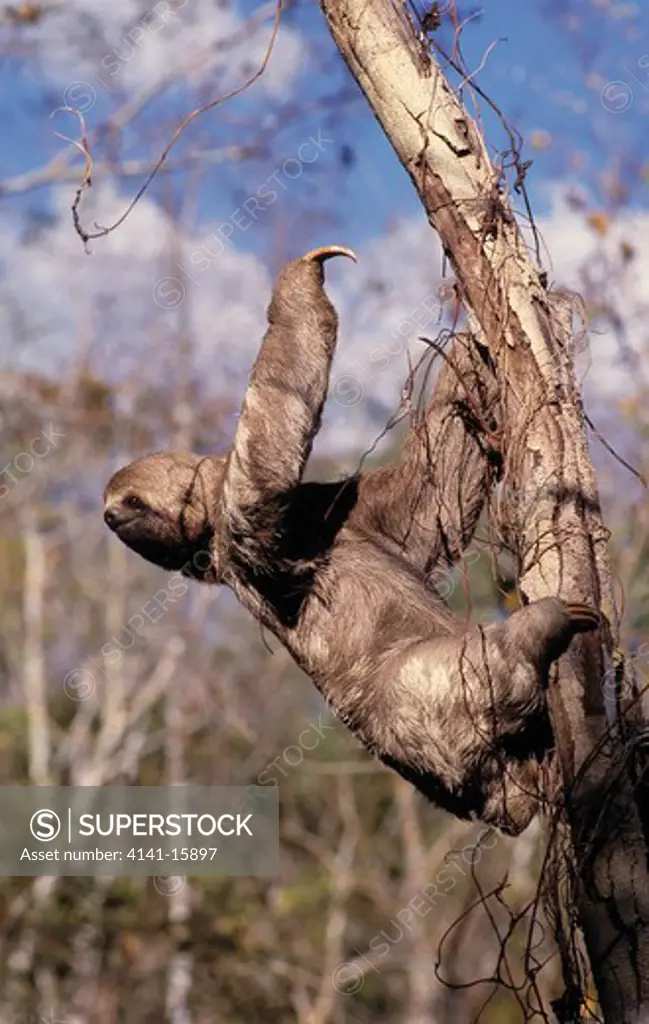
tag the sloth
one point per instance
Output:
(341, 571)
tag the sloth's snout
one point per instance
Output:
(114, 517)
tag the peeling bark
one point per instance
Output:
(552, 514)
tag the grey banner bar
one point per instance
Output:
(139, 830)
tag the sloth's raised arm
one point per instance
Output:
(282, 408)
(428, 502)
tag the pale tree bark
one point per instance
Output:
(180, 971)
(553, 518)
(38, 721)
(322, 1008)
(181, 963)
(422, 983)
(20, 963)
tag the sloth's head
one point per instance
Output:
(164, 507)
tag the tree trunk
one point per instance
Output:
(422, 985)
(34, 663)
(553, 517)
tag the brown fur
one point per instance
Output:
(337, 570)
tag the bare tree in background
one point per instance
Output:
(559, 538)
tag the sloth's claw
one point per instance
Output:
(326, 252)
(583, 617)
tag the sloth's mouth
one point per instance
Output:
(153, 549)
(157, 541)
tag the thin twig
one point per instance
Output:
(86, 236)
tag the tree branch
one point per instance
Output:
(560, 538)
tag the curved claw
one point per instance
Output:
(583, 617)
(326, 252)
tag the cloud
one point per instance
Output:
(127, 305)
(384, 306)
(130, 47)
(386, 302)
(110, 305)
(611, 271)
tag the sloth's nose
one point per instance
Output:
(112, 517)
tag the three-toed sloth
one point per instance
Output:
(339, 572)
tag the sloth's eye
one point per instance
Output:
(134, 502)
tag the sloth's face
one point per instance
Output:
(162, 507)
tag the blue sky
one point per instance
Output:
(573, 77)
(537, 74)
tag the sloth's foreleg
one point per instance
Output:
(283, 404)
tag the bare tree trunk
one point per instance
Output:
(38, 721)
(341, 876)
(181, 963)
(420, 969)
(20, 963)
(558, 534)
